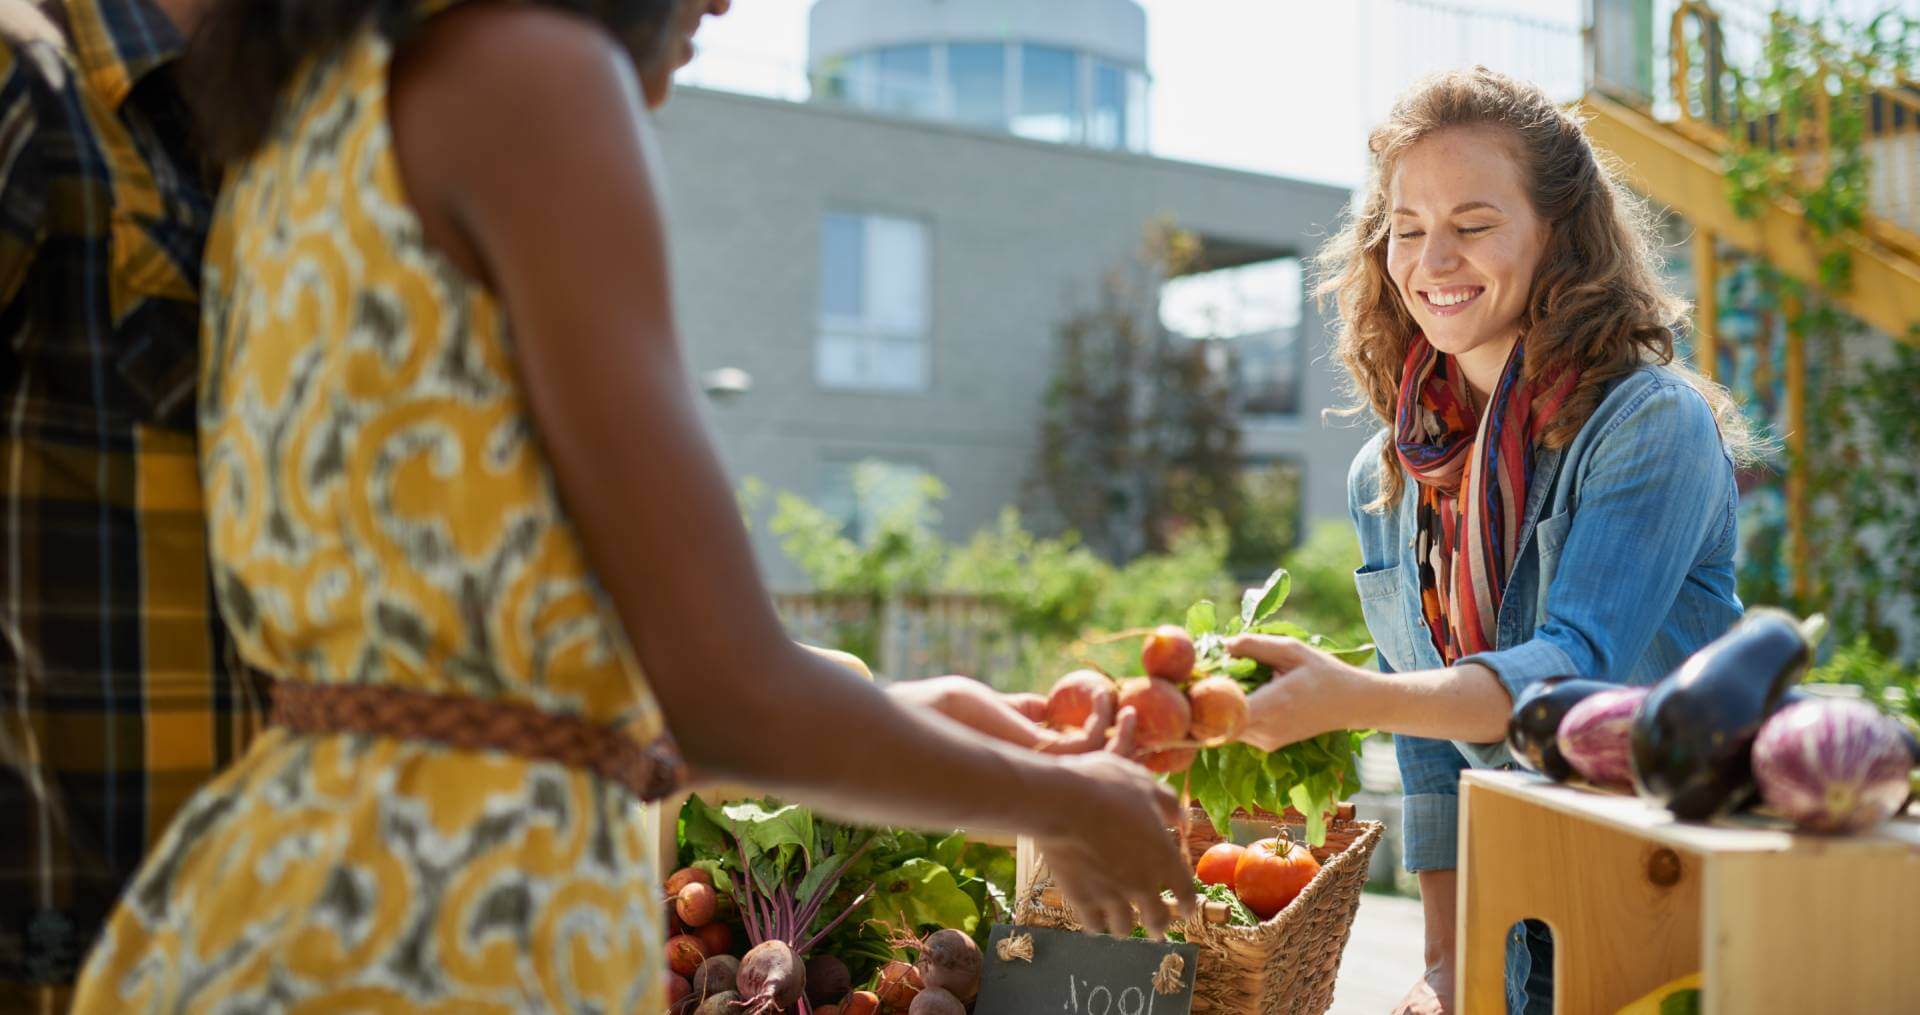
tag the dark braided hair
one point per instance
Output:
(246, 51)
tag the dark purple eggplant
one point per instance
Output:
(1692, 740)
(1534, 728)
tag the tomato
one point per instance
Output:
(1271, 873)
(1217, 865)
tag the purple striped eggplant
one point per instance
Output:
(1832, 765)
(1596, 737)
(1533, 731)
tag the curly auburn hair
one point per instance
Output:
(1598, 300)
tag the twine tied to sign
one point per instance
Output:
(1167, 979)
(1015, 946)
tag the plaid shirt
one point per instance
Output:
(117, 691)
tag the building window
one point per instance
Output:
(874, 303)
(1049, 94)
(977, 80)
(905, 81)
(1254, 310)
(865, 494)
(1107, 117)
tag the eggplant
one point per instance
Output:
(1693, 738)
(1835, 766)
(1595, 735)
(1533, 731)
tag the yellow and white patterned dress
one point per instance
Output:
(381, 512)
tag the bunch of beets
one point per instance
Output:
(705, 978)
(1179, 711)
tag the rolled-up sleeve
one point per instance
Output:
(1654, 496)
(1430, 807)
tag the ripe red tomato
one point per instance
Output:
(1271, 873)
(1217, 864)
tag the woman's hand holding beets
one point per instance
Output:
(1311, 692)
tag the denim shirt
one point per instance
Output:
(1625, 568)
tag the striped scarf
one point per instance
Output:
(1473, 476)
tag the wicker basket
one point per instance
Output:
(1286, 964)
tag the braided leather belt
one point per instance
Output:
(649, 771)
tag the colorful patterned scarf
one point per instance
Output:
(1473, 476)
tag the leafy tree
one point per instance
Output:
(1140, 438)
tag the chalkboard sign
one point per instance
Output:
(1059, 972)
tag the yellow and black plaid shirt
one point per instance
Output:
(117, 695)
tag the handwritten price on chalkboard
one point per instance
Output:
(1105, 975)
(1084, 997)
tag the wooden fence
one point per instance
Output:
(908, 637)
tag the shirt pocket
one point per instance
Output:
(1548, 537)
(1383, 604)
(156, 314)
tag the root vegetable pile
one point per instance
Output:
(810, 899)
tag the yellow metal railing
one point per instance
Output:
(1888, 114)
(1841, 100)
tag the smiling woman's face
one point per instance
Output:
(1464, 244)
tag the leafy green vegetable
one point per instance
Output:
(1311, 775)
(1258, 604)
(1238, 915)
(921, 893)
(881, 879)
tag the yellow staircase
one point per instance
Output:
(1674, 152)
(1676, 159)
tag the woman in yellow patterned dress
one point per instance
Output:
(464, 512)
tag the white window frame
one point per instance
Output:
(867, 332)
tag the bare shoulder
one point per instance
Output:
(522, 53)
(487, 96)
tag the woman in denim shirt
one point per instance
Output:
(1552, 494)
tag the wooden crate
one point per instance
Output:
(1774, 921)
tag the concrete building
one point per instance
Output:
(888, 262)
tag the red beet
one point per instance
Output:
(1173, 759)
(827, 1009)
(1168, 654)
(1219, 709)
(716, 938)
(717, 975)
(950, 960)
(1075, 698)
(719, 1004)
(686, 876)
(898, 985)
(696, 904)
(771, 978)
(828, 980)
(684, 954)
(677, 989)
(934, 1001)
(1163, 713)
(861, 1002)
